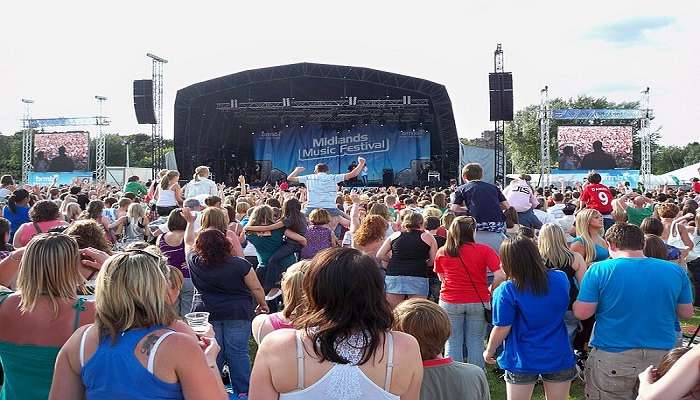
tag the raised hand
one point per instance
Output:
(188, 215)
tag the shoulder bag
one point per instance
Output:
(488, 312)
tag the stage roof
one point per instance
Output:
(202, 132)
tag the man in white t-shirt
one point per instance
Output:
(322, 187)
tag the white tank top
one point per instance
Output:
(344, 381)
(166, 198)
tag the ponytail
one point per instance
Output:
(12, 203)
(195, 177)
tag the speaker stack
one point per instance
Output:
(143, 101)
(501, 96)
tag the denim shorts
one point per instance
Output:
(410, 285)
(515, 378)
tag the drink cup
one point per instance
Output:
(198, 321)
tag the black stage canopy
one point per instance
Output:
(214, 119)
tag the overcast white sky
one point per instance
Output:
(61, 54)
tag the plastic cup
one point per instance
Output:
(198, 321)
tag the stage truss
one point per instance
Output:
(499, 129)
(157, 155)
(644, 115)
(348, 110)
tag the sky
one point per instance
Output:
(62, 54)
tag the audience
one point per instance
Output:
(338, 300)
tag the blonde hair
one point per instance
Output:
(49, 267)
(131, 292)
(216, 218)
(135, 210)
(261, 216)
(412, 220)
(583, 220)
(201, 171)
(320, 216)
(432, 212)
(619, 211)
(63, 207)
(165, 180)
(293, 290)
(242, 207)
(72, 212)
(553, 248)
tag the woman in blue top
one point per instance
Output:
(136, 349)
(589, 242)
(17, 210)
(528, 314)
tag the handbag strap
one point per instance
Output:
(470, 278)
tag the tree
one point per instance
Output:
(11, 160)
(522, 135)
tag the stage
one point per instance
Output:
(262, 123)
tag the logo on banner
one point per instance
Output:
(275, 135)
(412, 134)
(342, 146)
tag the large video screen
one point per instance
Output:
(594, 147)
(61, 151)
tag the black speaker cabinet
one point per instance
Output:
(143, 102)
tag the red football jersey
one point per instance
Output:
(598, 197)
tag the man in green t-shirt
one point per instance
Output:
(135, 187)
(641, 208)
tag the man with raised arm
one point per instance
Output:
(322, 187)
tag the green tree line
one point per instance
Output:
(140, 146)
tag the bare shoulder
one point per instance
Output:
(279, 340)
(179, 344)
(403, 342)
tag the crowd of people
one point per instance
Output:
(155, 290)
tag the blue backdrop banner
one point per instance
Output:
(611, 177)
(384, 146)
(63, 178)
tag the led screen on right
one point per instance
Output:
(594, 147)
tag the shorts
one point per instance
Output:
(566, 375)
(409, 285)
(334, 212)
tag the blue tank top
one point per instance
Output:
(601, 253)
(114, 372)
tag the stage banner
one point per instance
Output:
(64, 178)
(384, 147)
(588, 113)
(486, 157)
(611, 177)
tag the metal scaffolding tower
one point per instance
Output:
(100, 143)
(645, 128)
(544, 115)
(27, 140)
(499, 129)
(158, 157)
